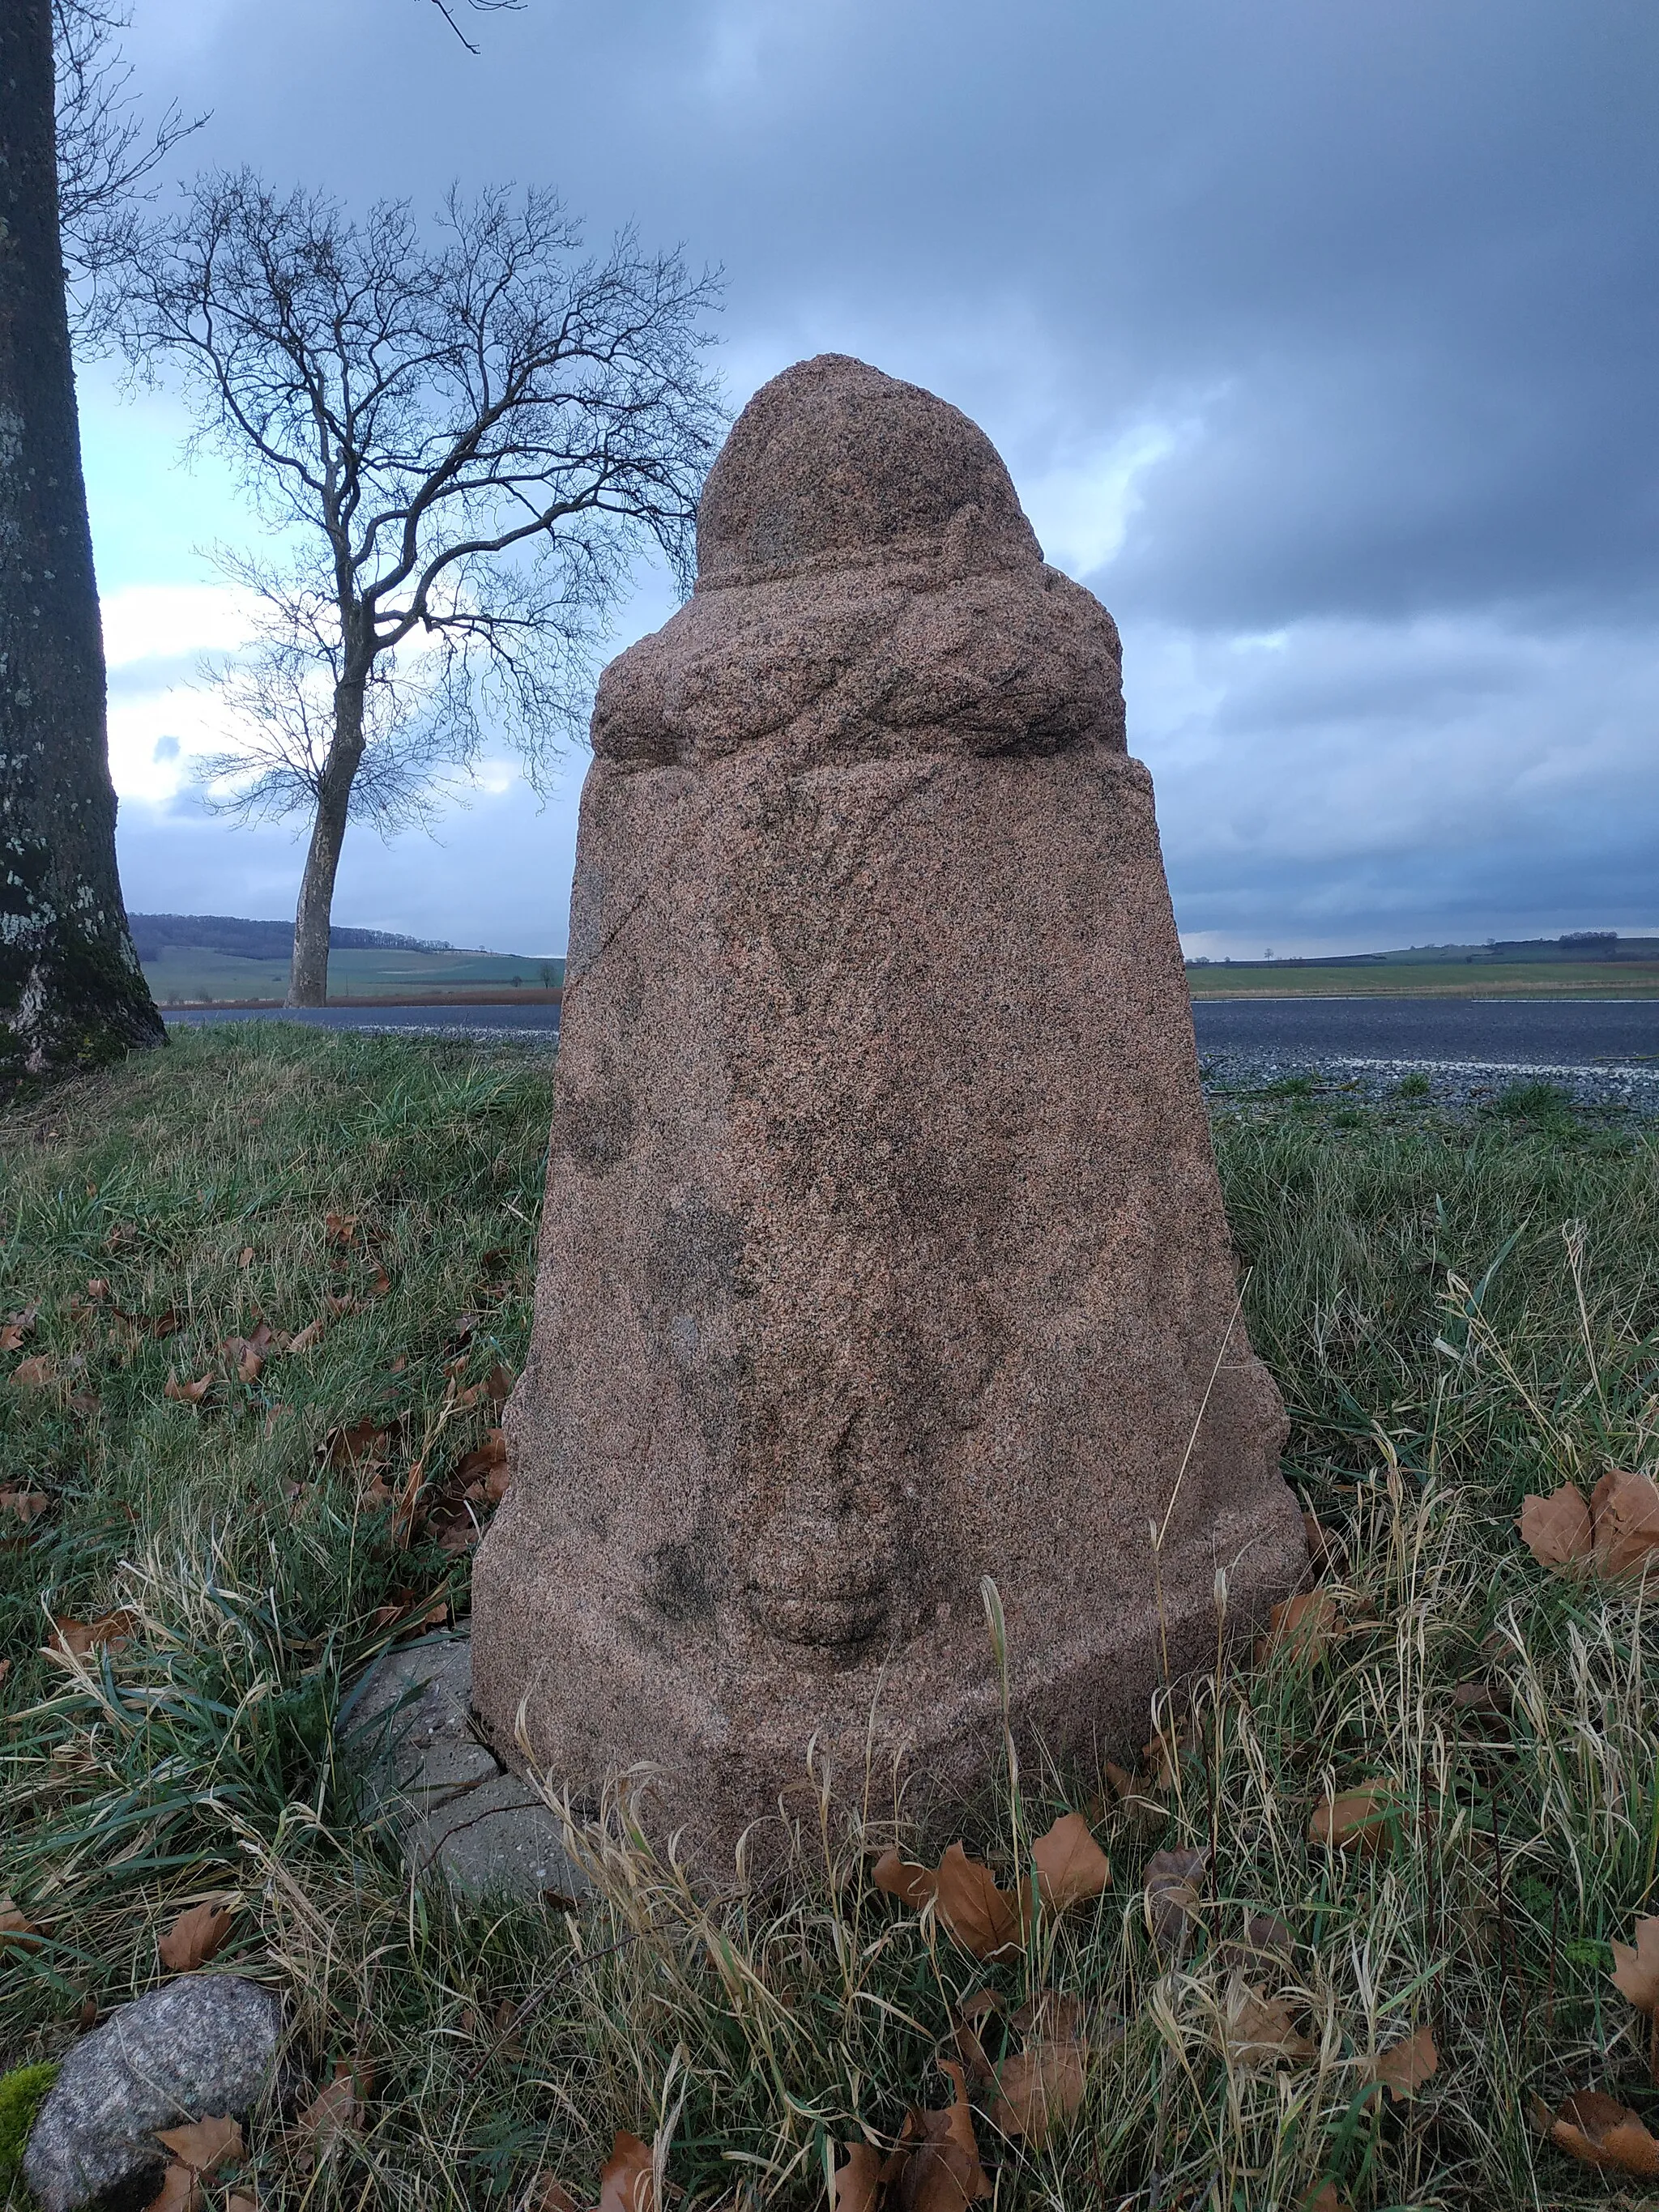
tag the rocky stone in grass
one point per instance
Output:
(407, 1734)
(206, 2043)
(884, 1249)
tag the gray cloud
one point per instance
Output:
(1370, 288)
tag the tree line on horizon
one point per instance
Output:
(458, 436)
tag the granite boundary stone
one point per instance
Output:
(883, 1249)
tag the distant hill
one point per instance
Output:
(153, 934)
(1577, 946)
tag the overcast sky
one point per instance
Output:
(1320, 339)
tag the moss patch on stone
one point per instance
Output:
(22, 2093)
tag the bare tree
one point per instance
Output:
(479, 8)
(71, 990)
(461, 438)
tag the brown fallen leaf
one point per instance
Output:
(35, 1374)
(935, 2165)
(1479, 1697)
(245, 1257)
(203, 2145)
(983, 1919)
(1070, 1864)
(195, 1937)
(1355, 1819)
(1404, 2067)
(341, 1227)
(1302, 1627)
(1624, 1515)
(242, 2200)
(854, 2187)
(1041, 2087)
(1600, 2131)
(22, 1505)
(628, 2180)
(19, 1325)
(334, 2111)
(1556, 1530)
(1144, 1813)
(181, 2191)
(350, 1446)
(1324, 2198)
(110, 1631)
(17, 1932)
(1255, 2029)
(1636, 1968)
(186, 1393)
(380, 1285)
(311, 1334)
(1172, 1899)
(1325, 1550)
(1267, 1943)
(547, 2193)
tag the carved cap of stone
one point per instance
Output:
(832, 461)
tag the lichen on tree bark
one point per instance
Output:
(72, 993)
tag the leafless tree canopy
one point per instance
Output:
(105, 154)
(478, 7)
(460, 438)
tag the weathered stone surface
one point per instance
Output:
(205, 2044)
(419, 1765)
(884, 1249)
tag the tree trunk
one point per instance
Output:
(308, 976)
(72, 993)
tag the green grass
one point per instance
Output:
(1424, 979)
(188, 974)
(1459, 1310)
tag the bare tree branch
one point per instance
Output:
(480, 6)
(104, 152)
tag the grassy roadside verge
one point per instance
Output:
(1513, 1715)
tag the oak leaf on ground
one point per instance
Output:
(16, 1326)
(195, 1937)
(1625, 1512)
(1355, 1819)
(1636, 1966)
(1600, 2131)
(856, 2186)
(110, 1631)
(1616, 1534)
(1070, 1864)
(1172, 1897)
(17, 1932)
(1256, 2029)
(1303, 1627)
(935, 2165)
(203, 2145)
(627, 2180)
(1405, 2066)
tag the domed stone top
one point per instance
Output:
(834, 459)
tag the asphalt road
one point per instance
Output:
(1504, 1034)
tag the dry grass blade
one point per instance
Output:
(1404, 2067)
(1601, 2131)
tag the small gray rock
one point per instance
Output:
(407, 1733)
(203, 2045)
